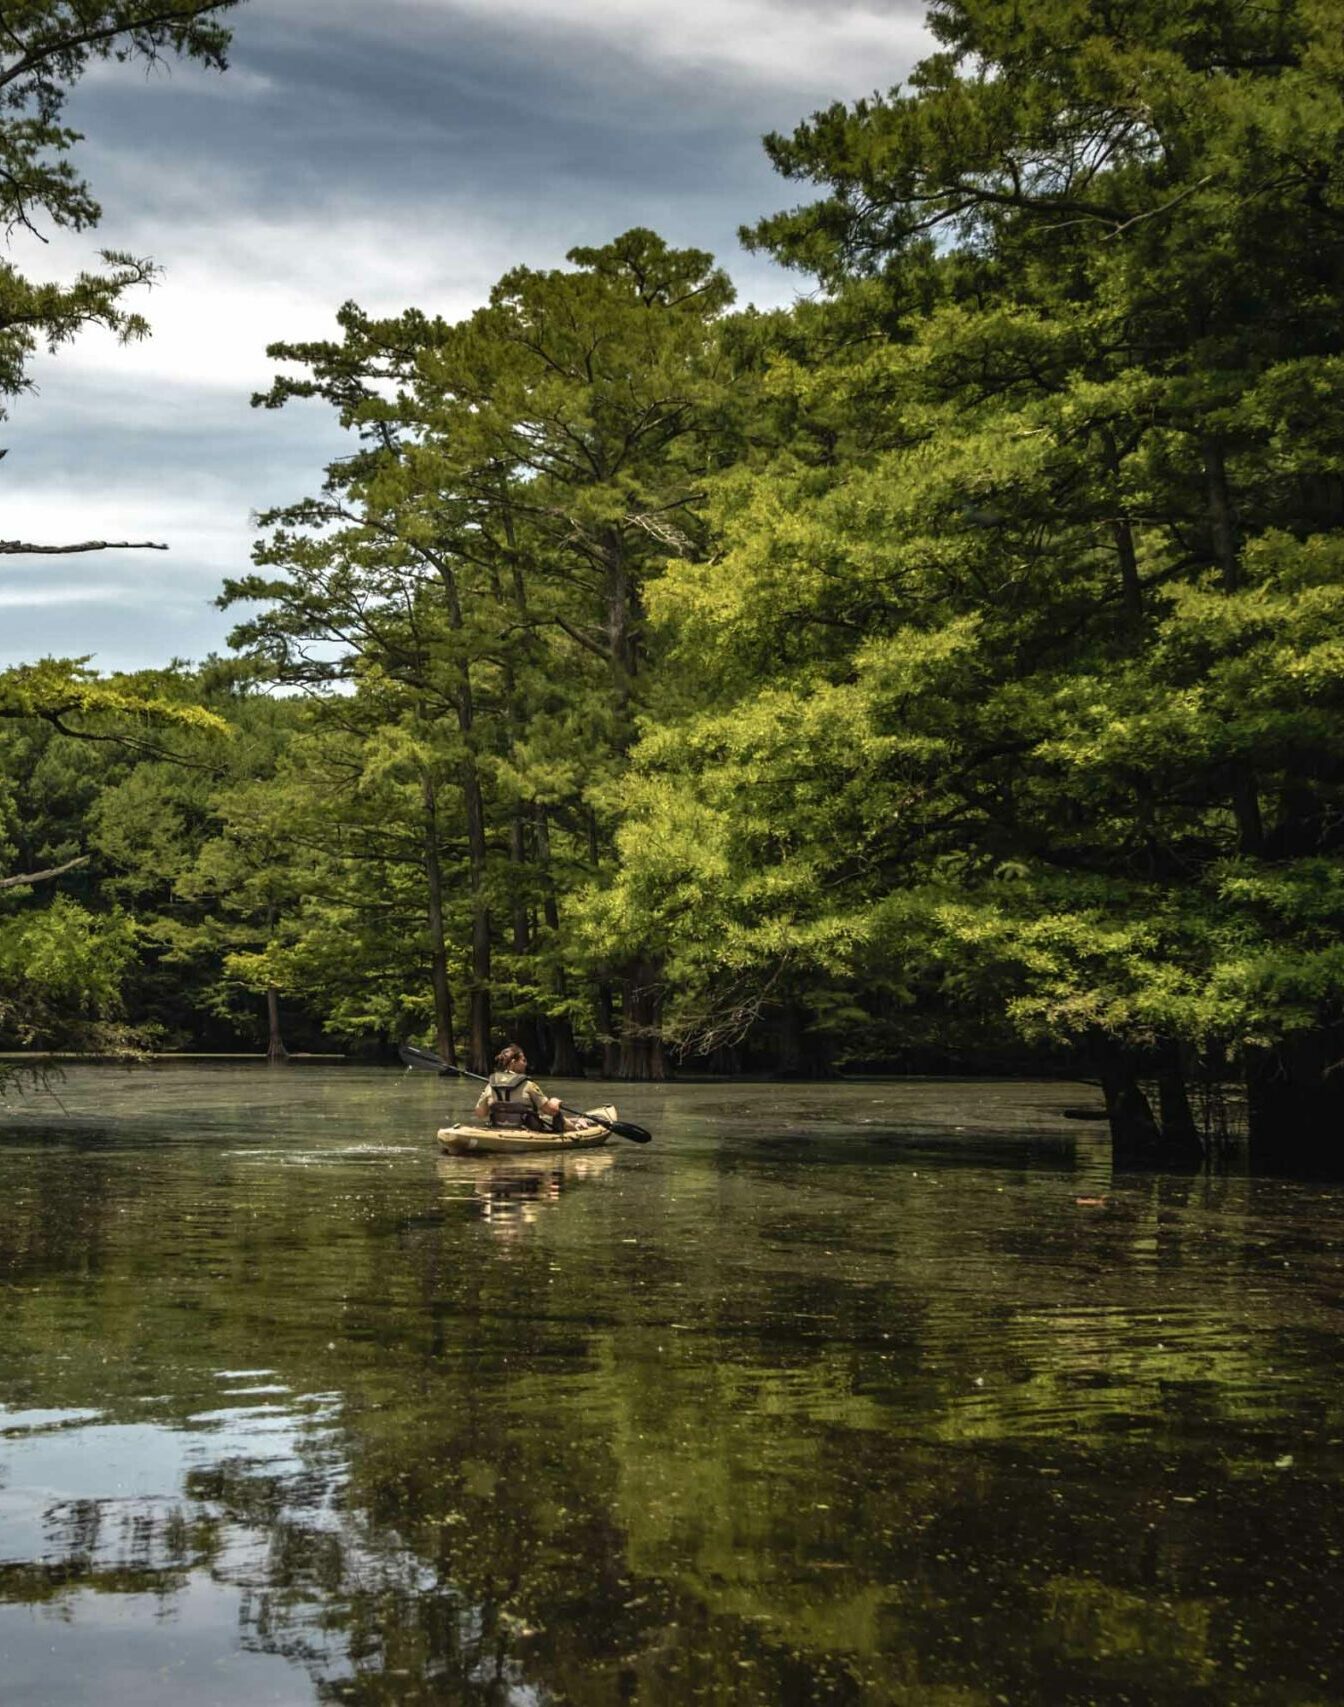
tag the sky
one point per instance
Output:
(395, 153)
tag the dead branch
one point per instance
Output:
(19, 548)
(27, 877)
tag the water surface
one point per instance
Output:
(863, 1393)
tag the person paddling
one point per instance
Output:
(510, 1098)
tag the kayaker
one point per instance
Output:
(512, 1099)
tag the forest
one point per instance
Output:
(942, 674)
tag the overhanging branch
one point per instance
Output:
(26, 877)
(19, 548)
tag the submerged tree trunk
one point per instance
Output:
(1181, 1136)
(1134, 1131)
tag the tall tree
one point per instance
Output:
(522, 476)
(1044, 570)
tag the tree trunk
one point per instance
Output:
(1246, 810)
(1131, 591)
(478, 1050)
(1227, 554)
(566, 1061)
(478, 1016)
(622, 598)
(275, 1049)
(1134, 1131)
(611, 1049)
(641, 1043)
(1222, 515)
(527, 1028)
(1122, 533)
(1295, 1104)
(438, 948)
(529, 1034)
(522, 929)
(275, 1045)
(564, 1052)
(800, 1053)
(1180, 1134)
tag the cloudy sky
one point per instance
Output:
(397, 152)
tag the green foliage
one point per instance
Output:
(61, 970)
(83, 763)
(1019, 646)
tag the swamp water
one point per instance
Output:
(882, 1393)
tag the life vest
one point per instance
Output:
(508, 1107)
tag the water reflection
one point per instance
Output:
(129, 1527)
(511, 1195)
(780, 1411)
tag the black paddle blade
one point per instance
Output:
(425, 1059)
(628, 1129)
(621, 1128)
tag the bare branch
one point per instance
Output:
(27, 877)
(18, 548)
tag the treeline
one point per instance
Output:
(947, 668)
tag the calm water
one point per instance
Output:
(885, 1394)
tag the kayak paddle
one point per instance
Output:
(429, 1062)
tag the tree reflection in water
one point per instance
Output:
(818, 1412)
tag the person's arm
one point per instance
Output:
(483, 1103)
(540, 1101)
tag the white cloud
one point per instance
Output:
(398, 154)
(230, 289)
(801, 43)
(234, 284)
(40, 598)
(126, 608)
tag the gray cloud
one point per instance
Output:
(404, 154)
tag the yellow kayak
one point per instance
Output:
(468, 1139)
